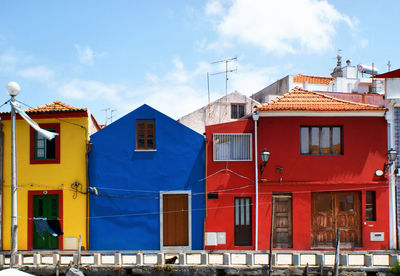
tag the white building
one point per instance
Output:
(226, 109)
(346, 79)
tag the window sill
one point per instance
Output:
(144, 150)
(45, 161)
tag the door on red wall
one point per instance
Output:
(243, 225)
(175, 220)
(332, 210)
(44, 206)
(282, 230)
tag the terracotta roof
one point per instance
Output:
(303, 100)
(54, 107)
(312, 79)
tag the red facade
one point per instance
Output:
(313, 194)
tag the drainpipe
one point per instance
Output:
(1, 182)
(389, 116)
(255, 118)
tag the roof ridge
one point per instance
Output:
(299, 74)
(54, 106)
(306, 100)
(337, 99)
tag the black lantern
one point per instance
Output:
(264, 158)
(392, 156)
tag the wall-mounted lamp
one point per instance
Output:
(264, 158)
(392, 155)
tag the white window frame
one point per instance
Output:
(233, 160)
(175, 248)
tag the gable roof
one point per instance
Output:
(56, 106)
(312, 79)
(388, 75)
(303, 100)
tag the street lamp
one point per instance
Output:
(264, 158)
(391, 155)
(13, 90)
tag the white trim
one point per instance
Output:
(150, 150)
(176, 248)
(322, 114)
(255, 119)
(392, 179)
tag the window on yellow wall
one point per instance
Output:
(43, 151)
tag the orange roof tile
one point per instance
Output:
(303, 100)
(56, 106)
(312, 79)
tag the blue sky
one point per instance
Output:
(121, 54)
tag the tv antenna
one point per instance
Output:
(106, 117)
(226, 71)
(111, 115)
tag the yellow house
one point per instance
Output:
(52, 178)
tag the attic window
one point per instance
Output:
(237, 111)
(145, 134)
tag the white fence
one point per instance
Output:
(382, 259)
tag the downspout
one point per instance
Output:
(255, 119)
(1, 182)
(205, 190)
(389, 116)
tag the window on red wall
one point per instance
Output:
(370, 208)
(321, 140)
(43, 151)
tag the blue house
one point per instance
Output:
(146, 174)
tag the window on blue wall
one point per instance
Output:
(145, 134)
(232, 147)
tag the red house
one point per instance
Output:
(327, 169)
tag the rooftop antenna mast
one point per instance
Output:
(106, 117)
(226, 61)
(111, 115)
(388, 65)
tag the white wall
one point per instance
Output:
(217, 112)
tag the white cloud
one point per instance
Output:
(251, 79)
(39, 73)
(8, 62)
(86, 55)
(89, 90)
(214, 8)
(281, 27)
(175, 93)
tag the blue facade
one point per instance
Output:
(125, 214)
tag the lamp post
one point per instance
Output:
(13, 90)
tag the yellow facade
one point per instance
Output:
(47, 177)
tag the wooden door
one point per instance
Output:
(175, 220)
(45, 206)
(332, 210)
(348, 218)
(243, 223)
(282, 221)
